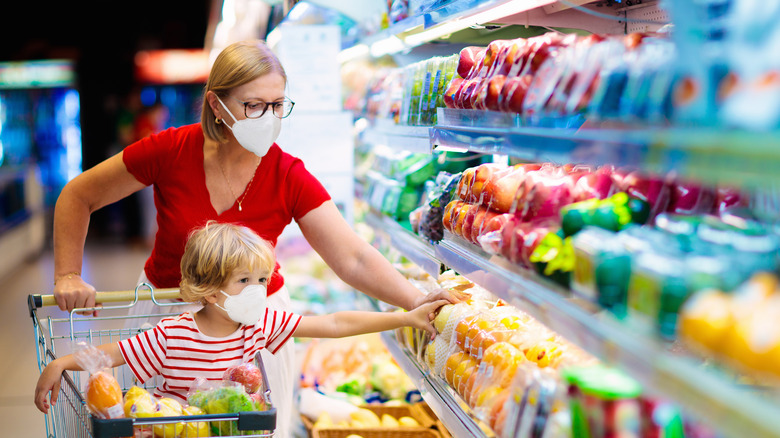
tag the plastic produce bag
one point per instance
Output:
(102, 392)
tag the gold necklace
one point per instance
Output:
(227, 180)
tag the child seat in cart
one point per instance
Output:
(70, 417)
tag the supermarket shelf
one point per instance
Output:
(399, 137)
(740, 158)
(434, 391)
(458, 15)
(734, 410)
(412, 247)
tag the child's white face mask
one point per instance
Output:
(248, 306)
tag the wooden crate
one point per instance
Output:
(401, 432)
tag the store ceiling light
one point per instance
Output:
(494, 13)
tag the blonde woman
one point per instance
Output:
(226, 268)
(228, 168)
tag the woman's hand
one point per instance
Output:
(49, 381)
(450, 296)
(72, 292)
(422, 316)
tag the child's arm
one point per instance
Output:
(341, 324)
(51, 376)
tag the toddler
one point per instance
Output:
(225, 267)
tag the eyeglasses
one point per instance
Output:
(254, 109)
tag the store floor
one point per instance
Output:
(107, 266)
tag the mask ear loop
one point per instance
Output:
(228, 111)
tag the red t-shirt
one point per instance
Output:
(172, 161)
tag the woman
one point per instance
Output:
(228, 169)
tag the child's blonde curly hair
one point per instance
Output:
(217, 250)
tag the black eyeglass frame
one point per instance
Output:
(267, 104)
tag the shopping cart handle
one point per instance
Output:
(36, 301)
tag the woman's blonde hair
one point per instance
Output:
(217, 250)
(237, 64)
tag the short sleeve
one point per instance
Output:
(304, 191)
(145, 158)
(144, 352)
(278, 328)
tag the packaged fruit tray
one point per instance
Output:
(376, 433)
(416, 411)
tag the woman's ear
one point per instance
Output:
(211, 97)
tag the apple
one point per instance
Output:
(652, 189)
(598, 184)
(483, 174)
(465, 182)
(484, 215)
(547, 194)
(501, 189)
(466, 93)
(513, 93)
(491, 237)
(687, 197)
(246, 374)
(449, 209)
(468, 220)
(467, 59)
(727, 198)
(451, 92)
(459, 218)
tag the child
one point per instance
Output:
(225, 267)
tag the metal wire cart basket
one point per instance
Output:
(70, 418)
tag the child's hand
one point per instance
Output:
(48, 381)
(422, 316)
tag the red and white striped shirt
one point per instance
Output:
(176, 350)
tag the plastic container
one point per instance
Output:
(604, 403)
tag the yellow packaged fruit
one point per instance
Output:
(140, 406)
(354, 436)
(408, 422)
(442, 317)
(323, 420)
(134, 392)
(197, 429)
(706, 319)
(168, 407)
(366, 417)
(389, 421)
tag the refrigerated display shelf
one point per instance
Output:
(434, 391)
(710, 394)
(744, 159)
(399, 137)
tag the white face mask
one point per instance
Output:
(255, 135)
(248, 306)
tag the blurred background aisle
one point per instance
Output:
(109, 266)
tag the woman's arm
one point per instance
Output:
(351, 323)
(50, 378)
(357, 263)
(99, 186)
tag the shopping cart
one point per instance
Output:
(70, 418)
